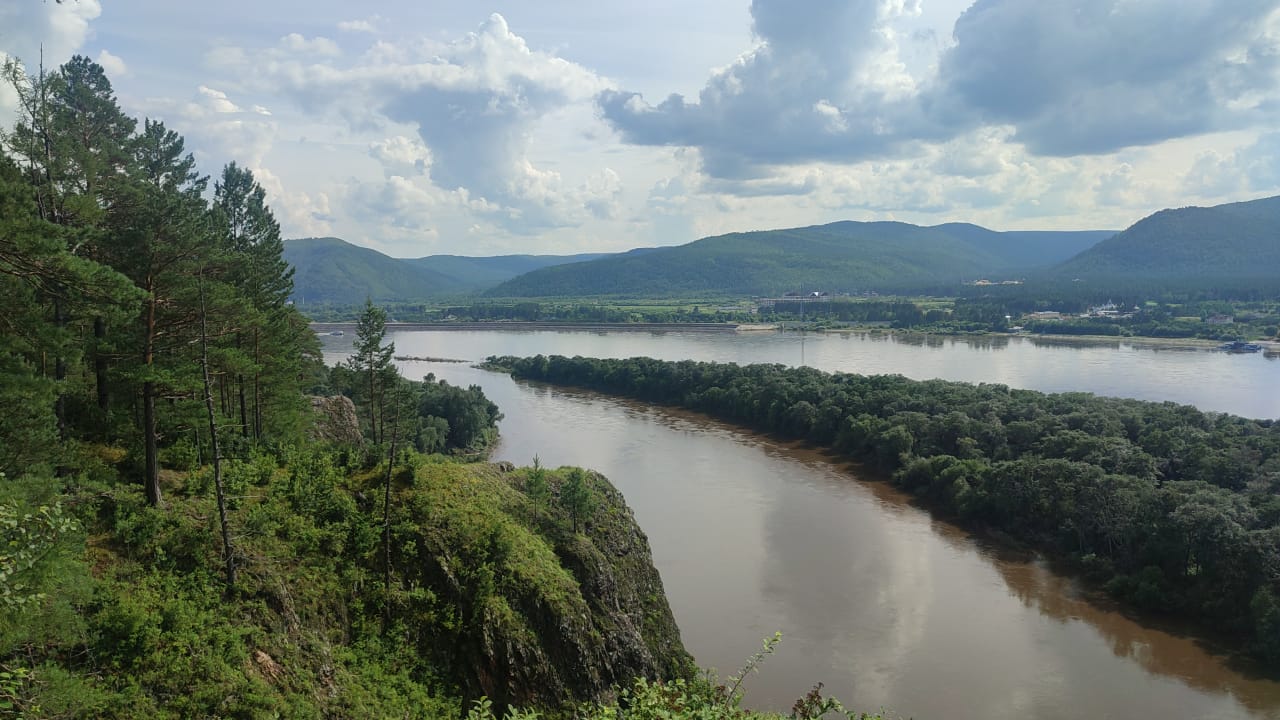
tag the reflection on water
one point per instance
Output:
(883, 604)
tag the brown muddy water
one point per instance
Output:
(883, 604)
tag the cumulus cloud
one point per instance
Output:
(30, 29)
(474, 103)
(1253, 168)
(113, 64)
(216, 127)
(295, 43)
(367, 25)
(1099, 75)
(827, 81)
(305, 214)
(401, 156)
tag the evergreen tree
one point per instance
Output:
(270, 329)
(372, 359)
(535, 486)
(162, 233)
(72, 142)
(576, 497)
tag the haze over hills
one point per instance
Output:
(1195, 244)
(843, 256)
(331, 270)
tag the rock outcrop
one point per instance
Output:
(524, 610)
(335, 420)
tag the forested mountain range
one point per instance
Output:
(843, 256)
(1237, 242)
(331, 270)
(1192, 244)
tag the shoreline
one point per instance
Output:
(519, 325)
(1269, 346)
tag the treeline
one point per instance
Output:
(154, 381)
(1000, 311)
(131, 294)
(432, 416)
(534, 311)
(1174, 509)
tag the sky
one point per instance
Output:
(558, 126)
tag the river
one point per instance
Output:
(884, 605)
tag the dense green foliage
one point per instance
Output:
(172, 545)
(839, 257)
(333, 271)
(1175, 509)
(1201, 247)
(1003, 311)
(114, 609)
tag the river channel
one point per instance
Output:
(884, 605)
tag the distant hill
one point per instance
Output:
(842, 256)
(1027, 249)
(1236, 241)
(331, 270)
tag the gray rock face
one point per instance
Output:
(335, 420)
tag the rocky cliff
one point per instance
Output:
(518, 606)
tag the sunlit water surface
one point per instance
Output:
(884, 605)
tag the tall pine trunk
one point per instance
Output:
(386, 518)
(100, 365)
(60, 373)
(228, 552)
(257, 385)
(244, 412)
(149, 434)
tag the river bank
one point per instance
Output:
(1269, 346)
(882, 602)
(523, 326)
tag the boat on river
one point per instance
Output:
(1240, 346)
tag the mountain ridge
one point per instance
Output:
(843, 256)
(1233, 240)
(332, 270)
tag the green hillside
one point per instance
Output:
(331, 270)
(1235, 241)
(842, 256)
(482, 273)
(1025, 249)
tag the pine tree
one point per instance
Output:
(71, 141)
(372, 358)
(260, 273)
(577, 498)
(161, 235)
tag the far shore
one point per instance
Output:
(518, 325)
(1269, 346)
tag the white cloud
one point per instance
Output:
(217, 101)
(1095, 76)
(306, 214)
(114, 65)
(367, 25)
(401, 156)
(475, 104)
(827, 81)
(216, 128)
(322, 46)
(30, 31)
(1250, 169)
